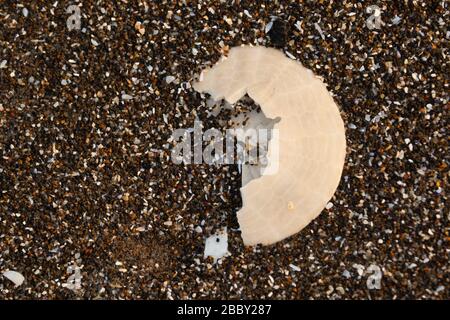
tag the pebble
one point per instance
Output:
(126, 97)
(294, 267)
(170, 79)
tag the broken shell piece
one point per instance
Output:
(16, 277)
(311, 140)
(139, 27)
(216, 246)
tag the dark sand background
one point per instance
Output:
(85, 175)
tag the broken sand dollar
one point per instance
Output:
(310, 143)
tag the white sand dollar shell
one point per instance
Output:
(311, 140)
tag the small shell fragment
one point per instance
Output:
(126, 97)
(16, 277)
(216, 246)
(268, 27)
(170, 79)
(139, 27)
(294, 267)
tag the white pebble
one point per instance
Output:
(126, 97)
(294, 267)
(396, 20)
(170, 79)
